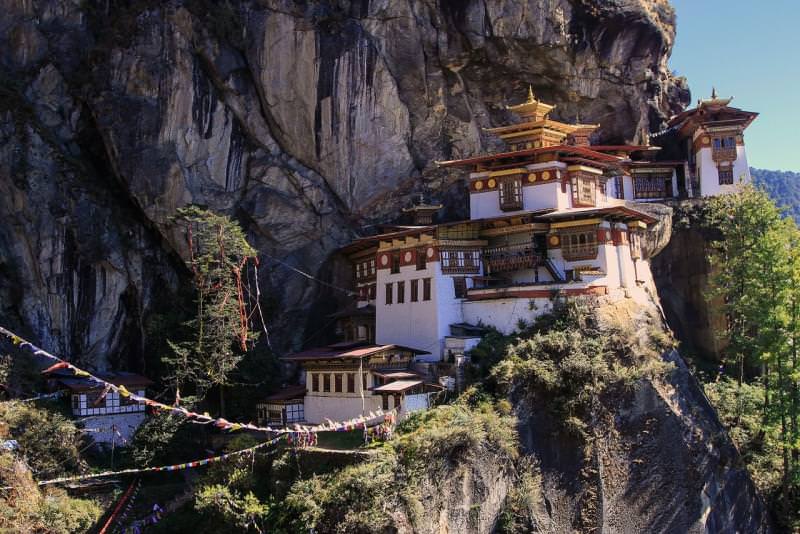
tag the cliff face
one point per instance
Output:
(304, 120)
(657, 458)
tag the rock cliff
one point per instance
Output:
(304, 120)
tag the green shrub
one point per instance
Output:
(49, 441)
(27, 508)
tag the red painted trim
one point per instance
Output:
(538, 293)
(411, 253)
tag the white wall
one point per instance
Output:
(504, 314)
(549, 195)
(421, 325)
(485, 205)
(99, 428)
(450, 310)
(709, 177)
(338, 408)
(413, 403)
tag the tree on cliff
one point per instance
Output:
(218, 255)
(757, 280)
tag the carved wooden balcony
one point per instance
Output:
(723, 154)
(510, 258)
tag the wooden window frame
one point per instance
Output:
(314, 381)
(426, 289)
(395, 266)
(579, 198)
(460, 287)
(729, 178)
(510, 192)
(351, 382)
(389, 293)
(572, 249)
(422, 259)
(326, 383)
(401, 292)
(337, 382)
(645, 186)
(414, 290)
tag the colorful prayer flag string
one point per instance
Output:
(330, 426)
(164, 468)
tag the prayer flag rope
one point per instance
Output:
(163, 468)
(223, 424)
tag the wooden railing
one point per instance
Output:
(723, 154)
(510, 258)
(460, 261)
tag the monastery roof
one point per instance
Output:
(712, 112)
(586, 151)
(364, 243)
(543, 123)
(296, 391)
(119, 378)
(657, 163)
(622, 213)
(355, 311)
(345, 351)
(398, 386)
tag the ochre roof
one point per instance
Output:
(119, 378)
(346, 350)
(398, 386)
(620, 212)
(297, 391)
(586, 151)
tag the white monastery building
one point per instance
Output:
(553, 217)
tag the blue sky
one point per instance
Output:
(750, 50)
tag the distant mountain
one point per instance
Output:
(782, 186)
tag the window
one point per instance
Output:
(460, 287)
(652, 186)
(314, 382)
(422, 259)
(723, 148)
(725, 176)
(363, 381)
(326, 382)
(337, 382)
(579, 245)
(414, 290)
(295, 413)
(401, 292)
(511, 193)
(460, 261)
(395, 263)
(619, 192)
(385, 402)
(388, 293)
(372, 292)
(584, 190)
(351, 382)
(426, 289)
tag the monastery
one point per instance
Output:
(554, 216)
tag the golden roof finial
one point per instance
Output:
(531, 98)
(713, 93)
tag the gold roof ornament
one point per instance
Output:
(423, 212)
(532, 109)
(714, 100)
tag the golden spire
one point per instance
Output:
(531, 98)
(713, 93)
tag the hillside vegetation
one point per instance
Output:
(783, 187)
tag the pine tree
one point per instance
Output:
(756, 276)
(218, 255)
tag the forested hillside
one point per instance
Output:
(782, 186)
